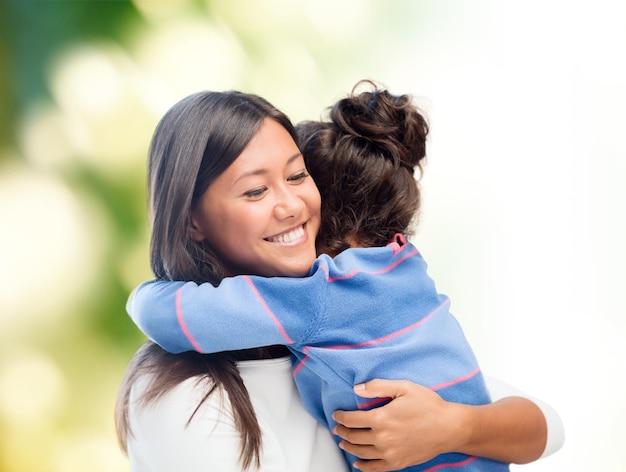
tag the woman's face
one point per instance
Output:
(262, 214)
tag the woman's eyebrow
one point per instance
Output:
(262, 171)
(294, 157)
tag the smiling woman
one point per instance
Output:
(228, 188)
(263, 212)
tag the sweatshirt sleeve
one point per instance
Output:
(242, 312)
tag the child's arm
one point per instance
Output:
(242, 312)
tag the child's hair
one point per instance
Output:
(363, 160)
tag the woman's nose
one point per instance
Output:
(288, 204)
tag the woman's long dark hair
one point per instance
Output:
(363, 160)
(195, 141)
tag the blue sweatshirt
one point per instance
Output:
(368, 313)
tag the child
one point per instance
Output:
(371, 311)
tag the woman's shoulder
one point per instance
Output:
(164, 438)
(178, 408)
(172, 432)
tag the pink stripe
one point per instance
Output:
(269, 312)
(456, 381)
(181, 321)
(371, 403)
(301, 363)
(342, 277)
(381, 271)
(469, 460)
(391, 335)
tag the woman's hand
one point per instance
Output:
(418, 425)
(414, 427)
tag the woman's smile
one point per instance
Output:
(291, 237)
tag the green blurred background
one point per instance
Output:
(523, 216)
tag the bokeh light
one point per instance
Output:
(97, 87)
(22, 402)
(49, 251)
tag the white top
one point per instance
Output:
(291, 439)
(160, 440)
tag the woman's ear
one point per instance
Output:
(195, 229)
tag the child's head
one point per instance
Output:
(363, 160)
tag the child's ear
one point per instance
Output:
(195, 229)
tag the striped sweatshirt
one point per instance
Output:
(367, 313)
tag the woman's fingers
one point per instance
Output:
(378, 388)
(363, 452)
(381, 388)
(374, 466)
(411, 429)
(352, 419)
(355, 436)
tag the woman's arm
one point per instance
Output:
(499, 390)
(418, 425)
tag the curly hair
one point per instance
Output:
(363, 160)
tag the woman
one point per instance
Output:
(230, 194)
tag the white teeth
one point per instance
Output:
(289, 237)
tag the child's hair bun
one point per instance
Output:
(363, 158)
(389, 124)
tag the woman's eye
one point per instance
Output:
(298, 177)
(255, 193)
